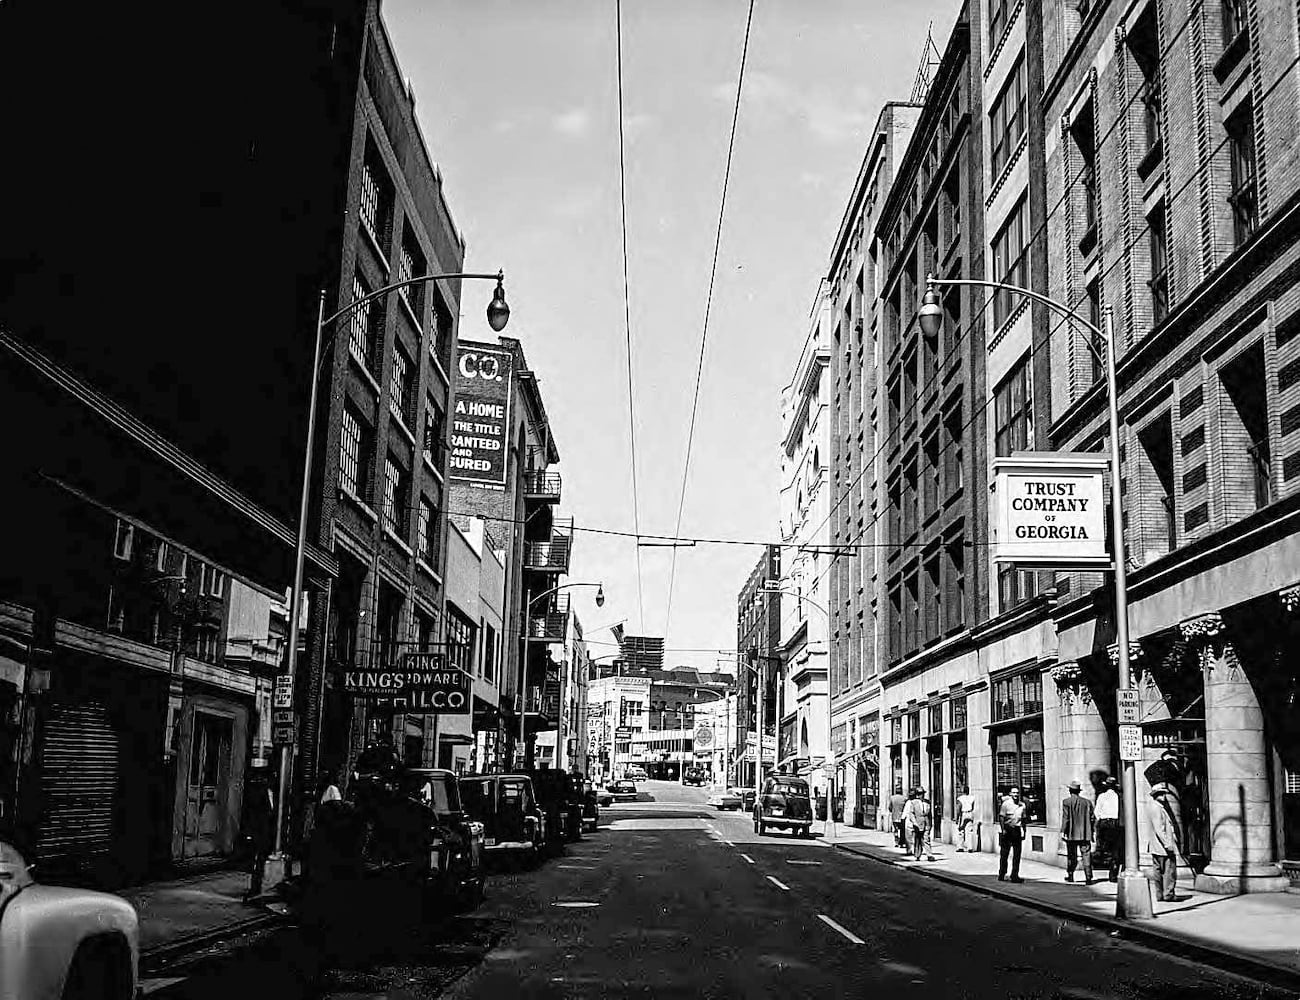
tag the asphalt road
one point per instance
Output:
(673, 899)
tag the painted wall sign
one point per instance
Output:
(480, 418)
(1049, 509)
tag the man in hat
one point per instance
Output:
(1165, 841)
(1077, 826)
(897, 803)
(920, 814)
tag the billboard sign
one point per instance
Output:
(480, 421)
(1049, 510)
(703, 737)
(424, 683)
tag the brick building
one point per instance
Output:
(758, 638)
(853, 569)
(1173, 159)
(288, 162)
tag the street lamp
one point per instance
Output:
(1133, 895)
(528, 638)
(498, 314)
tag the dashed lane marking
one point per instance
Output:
(578, 868)
(778, 883)
(790, 861)
(843, 930)
(748, 858)
(576, 904)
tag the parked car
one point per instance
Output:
(696, 776)
(58, 942)
(507, 807)
(725, 798)
(785, 805)
(590, 806)
(636, 773)
(456, 861)
(622, 791)
(556, 798)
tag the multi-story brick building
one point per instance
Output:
(292, 163)
(1173, 178)
(802, 705)
(517, 499)
(758, 637)
(853, 565)
(932, 468)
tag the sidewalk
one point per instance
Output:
(189, 912)
(1257, 934)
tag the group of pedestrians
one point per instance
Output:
(913, 819)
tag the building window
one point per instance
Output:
(376, 197)
(1007, 119)
(212, 582)
(998, 13)
(399, 385)
(1013, 411)
(952, 451)
(460, 639)
(160, 557)
(434, 451)
(123, 540)
(410, 264)
(489, 653)
(1018, 748)
(354, 455)
(396, 484)
(364, 327)
(1015, 586)
(957, 714)
(1145, 46)
(204, 644)
(1010, 261)
(425, 528)
(954, 601)
(1241, 160)
(1017, 696)
(1159, 282)
(1234, 20)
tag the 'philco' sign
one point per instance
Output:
(1050, 509)
(423, 684)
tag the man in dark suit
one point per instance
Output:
(1077, 826)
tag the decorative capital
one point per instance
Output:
(1134, 652)
(1202, 628)
(1290, 599)
(1067, 673)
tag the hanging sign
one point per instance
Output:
(703, 737)
(1049, 510)
(424, 683)
(1130, 742)
(480, 420)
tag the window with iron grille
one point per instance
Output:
(376, 197)
(354, 454)
(1159, 283)
(424, 527)
(1012, 411)
(1241, 159)
(399, 384)
(1007, 119)
(396, 485)
(410, 264)
(1010, 261)
(433, 432)
(363, 326)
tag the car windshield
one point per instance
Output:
(440, 794)
(788, 788)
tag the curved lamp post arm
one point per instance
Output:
(933, 282)
(499, 277)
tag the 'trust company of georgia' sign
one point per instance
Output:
(424, 683)
(1050, 510)
(480, 419)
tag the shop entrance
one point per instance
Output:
(1182, 765)
(207, 789)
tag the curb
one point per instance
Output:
(1228, 960)
(162, 955)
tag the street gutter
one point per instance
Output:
(1145, 931)
(168, 953)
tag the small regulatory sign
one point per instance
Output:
(1130, 742)
(1129, 704)
(283, 697)
(283, 735)
(282, 717)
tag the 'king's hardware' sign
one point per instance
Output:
(424, 683)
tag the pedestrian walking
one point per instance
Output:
(1077, 826)
(1110, 832)
(920, 814)
(260, 821)
(1011, 823)
(966, 821)
(897, 803)
(1165, 842)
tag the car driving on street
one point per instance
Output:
(58, 942)
(725, 798)
(622, 791)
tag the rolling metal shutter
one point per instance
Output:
(80, 764)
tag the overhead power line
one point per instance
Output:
(627, 313)
(708, 308)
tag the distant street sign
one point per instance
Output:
(772, 586)
(1130, 742)
(283, 735)
(1130, 707)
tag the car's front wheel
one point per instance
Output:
(100, 970)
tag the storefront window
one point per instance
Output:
(960, 767)
(1018, 762)
(957, 714)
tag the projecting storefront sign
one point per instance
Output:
(424, 683)
(1049, 509)
(703, 737)
(480, 422)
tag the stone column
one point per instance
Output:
(1082, 738)
(1241, 834)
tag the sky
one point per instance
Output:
(518, 102)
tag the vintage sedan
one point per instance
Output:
(506, 805)
(622, 791)
(61, 943)
(725, 798)
(456, 862)
(785, 805)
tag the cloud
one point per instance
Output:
(575, 122)
(769, 100)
